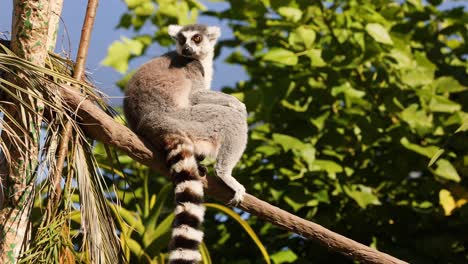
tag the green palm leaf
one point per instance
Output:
(244, 225)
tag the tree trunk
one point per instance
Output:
(20, 154)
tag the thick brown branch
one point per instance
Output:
(102, 127)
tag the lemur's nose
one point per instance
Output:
(187, 51)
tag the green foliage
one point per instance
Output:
(244, 225)
(358, 113)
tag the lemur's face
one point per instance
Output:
(194, 41)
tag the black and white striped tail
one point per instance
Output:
(189, 211)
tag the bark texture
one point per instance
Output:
(104, 128)
(30, 27)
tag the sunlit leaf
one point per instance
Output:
(119, 53)
(363, 195)
(290, 13)
(446, 171)
(429, 151)
(315, 56)
(436, 157)
(287, 142)
(446, 201)
(284, 256)
(379, 33)
(282, 56)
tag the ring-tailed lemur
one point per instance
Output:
(168, 102)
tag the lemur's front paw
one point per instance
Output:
(239, 193)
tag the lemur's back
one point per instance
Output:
(161, 85)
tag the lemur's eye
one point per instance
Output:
(197, 38)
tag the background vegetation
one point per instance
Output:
(358, 117)
(358, 113)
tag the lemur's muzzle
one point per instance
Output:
(187, 51)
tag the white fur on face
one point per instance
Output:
(201, 50)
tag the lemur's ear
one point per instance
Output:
(173, 30)
(213, 32)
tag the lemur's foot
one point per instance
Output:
(239, 192)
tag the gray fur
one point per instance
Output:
(168, 96)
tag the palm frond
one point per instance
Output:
(51, 240)
(99, 232)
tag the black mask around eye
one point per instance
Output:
(181, 39)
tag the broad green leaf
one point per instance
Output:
(446, 171)
(429, 151)
(308, 155)
(296, 106)
(282, 56)
(294, 205)
(307, 35)
(379, 33)
(319, 122)
(403, 58)
(362, 194)
(447, 201)
(329, 166)
(288, 142)
(302, 36)
(348, 90)
(436, 157)
(447, 84)
(322, 196)
(244, 225)
(117, 57)
(119, 53)
(417, 119)
(145, 9)
(422, 73)
(173, 9)
(268, 150)
(315, 56)
(417, 77)
(444, 105)
(134, 3)
(290, 13)
(464, 126)
(284, 256)
(416, 3)
(134, 46)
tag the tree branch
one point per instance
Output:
(104, 128)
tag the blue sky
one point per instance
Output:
(104, 33)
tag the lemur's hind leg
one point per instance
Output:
(230, 151)
(227, 129)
